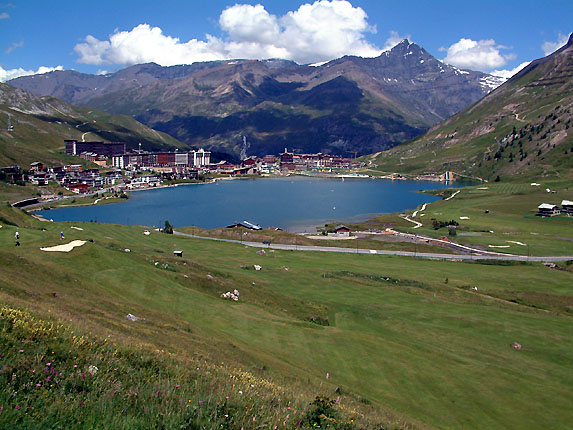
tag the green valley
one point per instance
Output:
(406, 348)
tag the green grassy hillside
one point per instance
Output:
(498, 217)
(40, 125)
(522, 130)
(408, 348)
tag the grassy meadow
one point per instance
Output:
(498, 214)
(395, 342)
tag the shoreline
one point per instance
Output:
(38, 206)
(303, 222)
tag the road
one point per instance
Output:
(427, 255)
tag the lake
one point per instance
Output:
(296, 204)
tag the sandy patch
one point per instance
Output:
(40, 218)
(77, 228)
(67, 247)
(482, 188)
(453, 195)
(464, 217)
(517, 243)
(498, 246)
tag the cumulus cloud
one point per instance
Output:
(551, 47)
(483, 55)
(509, 73)
(4, 15)
(6, 75)
(144, 44)
(320, 31)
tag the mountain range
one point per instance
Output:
(350, 105)
(523, 128)
(33, 128)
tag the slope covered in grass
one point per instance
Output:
(400, 346)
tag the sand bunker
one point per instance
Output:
(517, 243)
(77, 228)
(498, 246)
(67, 247)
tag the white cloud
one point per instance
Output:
(144, 44)
(509, 73)
(393, 40)
(4, 15)
(6, 75)
(551, 47)
(320, 31)
(483, 55)
(15, 45)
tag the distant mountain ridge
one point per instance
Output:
(523, 128)
(348, 105)
(39, 126)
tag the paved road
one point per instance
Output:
(428, 255)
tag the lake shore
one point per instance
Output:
(297, 203)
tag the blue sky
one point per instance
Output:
(105, 36)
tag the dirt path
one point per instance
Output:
(418, 224)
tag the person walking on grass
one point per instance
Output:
(61, 235)
(16, 235)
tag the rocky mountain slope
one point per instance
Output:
(524, 128)
(33, 128)
(348, 105)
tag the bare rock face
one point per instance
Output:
(347, 105)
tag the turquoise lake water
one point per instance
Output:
(296, 204)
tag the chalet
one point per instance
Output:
(78, 188)
(245, 224)
(37, 166)
(73, 168)
(93, 181)
(145, 181)
(288, 167)
(250, 162)
(567, 207)
(342, 231)
(547, 209)
(39, 178)
(269, 159)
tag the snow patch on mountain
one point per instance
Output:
(491, 82)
